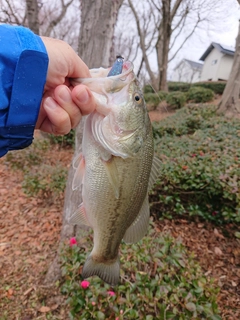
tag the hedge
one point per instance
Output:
(198, 94)
(200, 171)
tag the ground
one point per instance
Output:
(29, 235)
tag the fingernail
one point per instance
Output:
(50, 103)
(83, 96)
(65, 95)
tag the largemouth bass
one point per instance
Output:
(115, 169)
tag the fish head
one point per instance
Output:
(121, 122)
(128, 122)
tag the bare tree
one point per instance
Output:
(98, 19)
(57, 18)
(13, 12)
(32, 15)
(230, 102)
(160, 24)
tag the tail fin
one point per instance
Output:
(108, 272)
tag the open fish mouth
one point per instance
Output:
(102, 83)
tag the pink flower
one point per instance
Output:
(111, 293)
(117, 318)
(72, 241)
(85, 284)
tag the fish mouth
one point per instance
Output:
(101, 84)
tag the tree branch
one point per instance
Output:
(174, 9)
(183, 18)
(12, 13)
(179, 32)
(142, 42)
(186, 39)
(54, 22)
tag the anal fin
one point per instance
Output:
(154, 174)
(139, 227)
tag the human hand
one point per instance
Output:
(63, 105)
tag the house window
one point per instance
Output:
(214, 62)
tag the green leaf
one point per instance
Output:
(100, 315)
(237, 234)
(190, 306)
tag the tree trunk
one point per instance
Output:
(162, 46)
(32, 15)
(230, 102)
(95, 45)
(98, 20)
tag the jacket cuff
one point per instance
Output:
(27, 89)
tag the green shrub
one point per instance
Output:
(67, 140)
(179, 86)
(216, 86)
(200, 171)
(28, 157)
(159, 280)
(198, 94)
(162, 95)
(176, 99)
(153, 99)
(148, 89)
(43, 178)
(47, 182)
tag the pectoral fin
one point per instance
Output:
(154, 174)
(139, 227)
(112, 173)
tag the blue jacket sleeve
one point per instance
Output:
(23, 71)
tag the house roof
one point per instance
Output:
(193, 64)
(221, 47)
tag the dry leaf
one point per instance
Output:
(44, 309)
(219, 235)
(9, 293)
(54, 307)
(27, 291)
(218, 251)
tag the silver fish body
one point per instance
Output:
(115, 169)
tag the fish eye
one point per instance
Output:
(137, 98)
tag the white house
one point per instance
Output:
(187, 71)
(218, 60)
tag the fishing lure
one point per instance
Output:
(117, 67)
